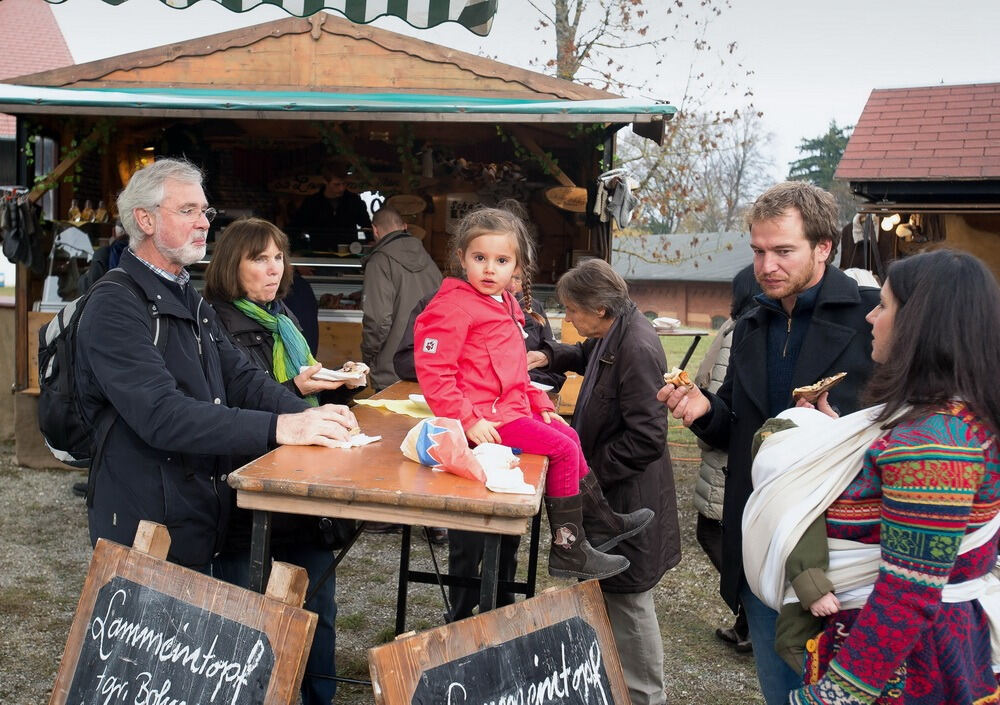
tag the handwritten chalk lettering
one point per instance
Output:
(168, 652)
(561, 663)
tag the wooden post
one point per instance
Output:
(88, 143)
(528, 141)
(288, 584)
(152, 538)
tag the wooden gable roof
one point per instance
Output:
(323, 53)
(933, 133)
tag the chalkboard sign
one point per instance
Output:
(556, 647)
(562, 663)
(143, 646)
(147, 632)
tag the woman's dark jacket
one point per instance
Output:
(250, 337)
(182, 414)
(623, 431)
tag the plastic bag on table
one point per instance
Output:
(440, 443)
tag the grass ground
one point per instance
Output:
(44, 551)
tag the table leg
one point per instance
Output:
(260, 550)
(404, 580)
(536, 525)
(690, 352)
(490, 573)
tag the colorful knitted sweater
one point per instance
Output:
(922, 487)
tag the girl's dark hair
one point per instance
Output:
(945, 338)
(497, 220)
(243, 239)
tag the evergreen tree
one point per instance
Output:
(822, 155)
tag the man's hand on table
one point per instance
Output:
(319, 426)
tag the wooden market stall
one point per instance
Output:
(263, 109)
(924, 163)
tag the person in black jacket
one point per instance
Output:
(183, 414)
(245, 282)
(623, 432)
(331, 216)
(810, 324)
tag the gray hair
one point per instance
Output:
(145, 190)
(593, 285)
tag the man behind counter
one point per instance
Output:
(331, 216)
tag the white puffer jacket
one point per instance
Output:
(711, 483)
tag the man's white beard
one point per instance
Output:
(181, 256)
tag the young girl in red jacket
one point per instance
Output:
(471, 364)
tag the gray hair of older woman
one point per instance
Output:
(145, 190)
(593, 285)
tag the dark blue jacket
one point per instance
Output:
(181, 414)
(838, 340)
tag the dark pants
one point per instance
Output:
(235, 568)
(465, 554)
(709, 535)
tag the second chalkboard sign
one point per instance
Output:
(144, 647)
(560, 663)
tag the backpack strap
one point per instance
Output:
(108, 415)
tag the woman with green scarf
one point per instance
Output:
(245, 282)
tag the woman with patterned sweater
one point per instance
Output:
(927, 484)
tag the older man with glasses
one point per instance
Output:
(160, 382)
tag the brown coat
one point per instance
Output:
(623, 431)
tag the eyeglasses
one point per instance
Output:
(191, 213)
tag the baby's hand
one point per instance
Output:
(825, 606)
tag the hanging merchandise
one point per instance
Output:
(614, 197)
(19, 229)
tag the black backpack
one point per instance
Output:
(59, 416)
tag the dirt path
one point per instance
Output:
(44, 551)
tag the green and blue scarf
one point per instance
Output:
(290, 351)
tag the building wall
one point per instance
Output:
(693, 303)
(977, 234)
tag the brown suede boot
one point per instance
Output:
(571, 556)
(605, 527)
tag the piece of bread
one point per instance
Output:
(678, 378)
(812, 392)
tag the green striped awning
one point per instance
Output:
(475, 15)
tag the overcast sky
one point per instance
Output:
(812, 62)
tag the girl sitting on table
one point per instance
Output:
(471, 364)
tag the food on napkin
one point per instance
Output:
(349, 372)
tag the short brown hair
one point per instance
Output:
(243, 239)
(388, 218)
(593, 285)
(817, 207)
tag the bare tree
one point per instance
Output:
(709, 168)
(598, 42)
(731, 175)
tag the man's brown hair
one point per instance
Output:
(817, 207)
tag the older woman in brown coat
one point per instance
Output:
(623, 431)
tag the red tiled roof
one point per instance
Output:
(926, 134)
(31, 41)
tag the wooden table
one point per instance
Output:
(376, 483)
(696, 333)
